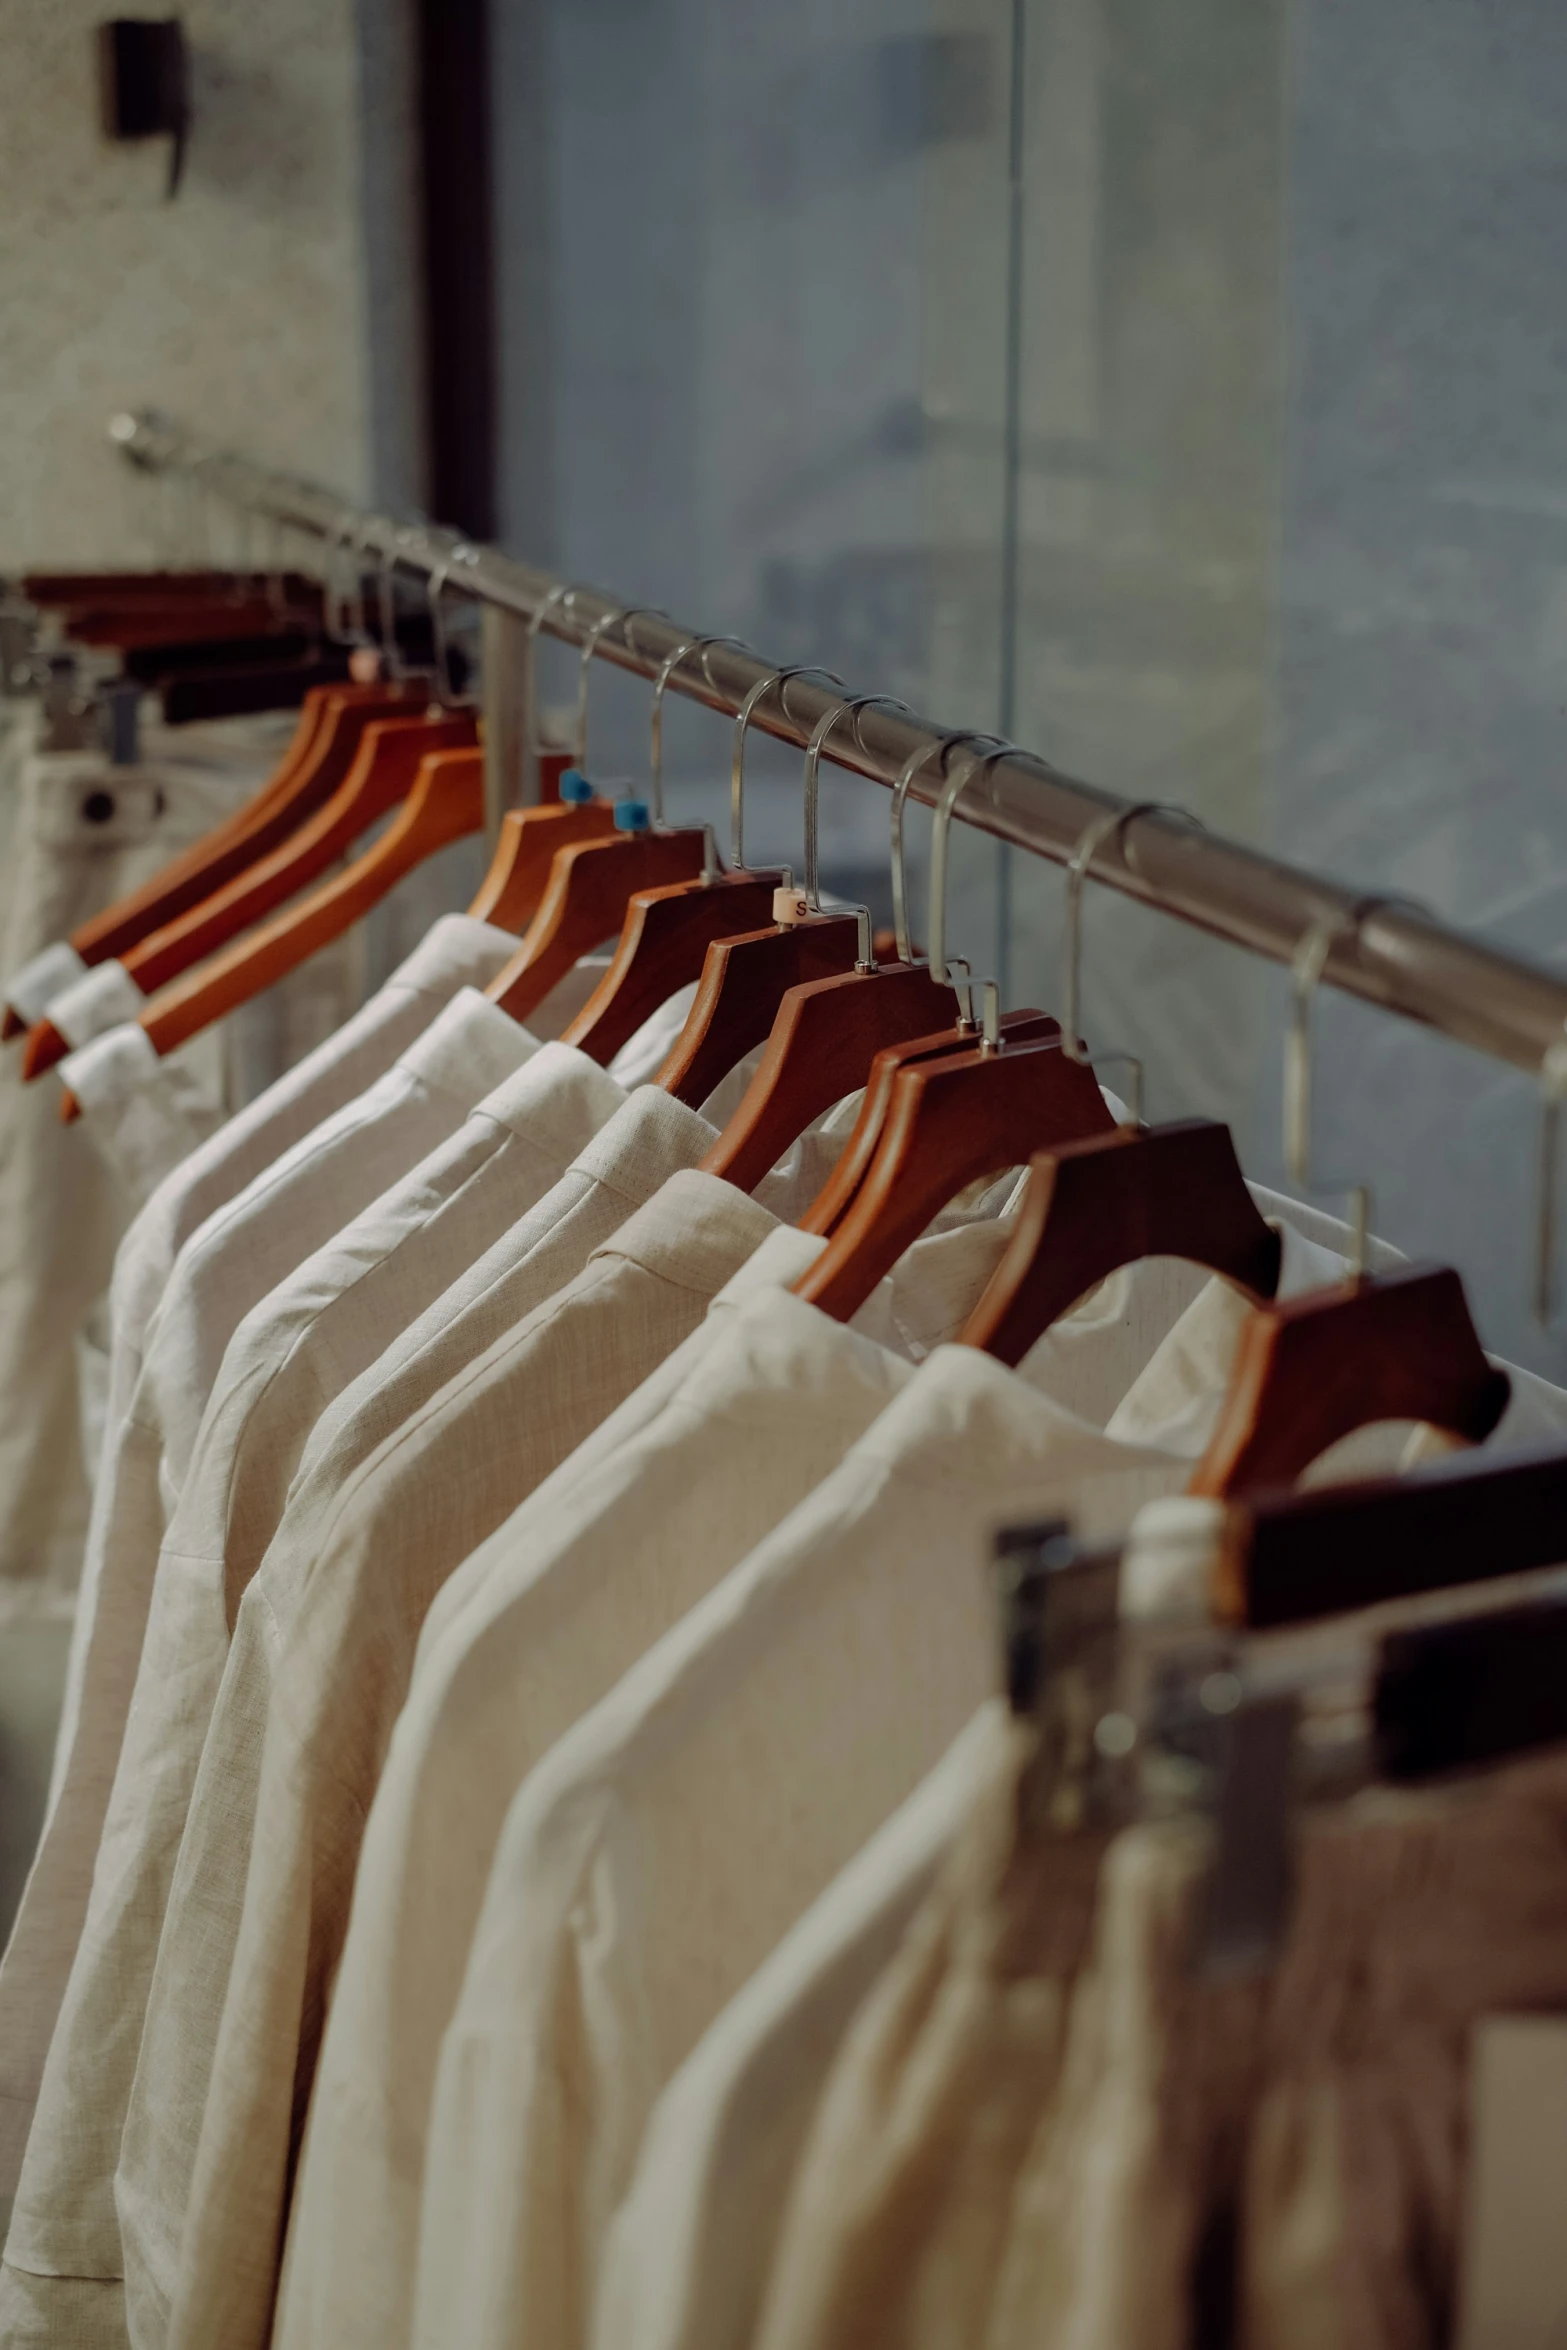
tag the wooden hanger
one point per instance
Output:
(382, 755)
(445, 804)
(128, 588)
(1091, 1206)
(511, 892)
(320, 753)
(838, 1194)
(666, 940)
(590, 886)
(1312, 1369)
(952, 1120)
(822, 1043)
(1287, 1557)
(744, 980)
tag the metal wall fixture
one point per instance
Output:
(1387, 953)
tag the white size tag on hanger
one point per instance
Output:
(1513, 2258)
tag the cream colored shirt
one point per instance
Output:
(310, 1334)
(604, 1557)
(619, 1527)
(668, 1841)
(689, 2249)
(230, 1263)
(298, 1668)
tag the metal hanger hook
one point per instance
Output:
(1094, 835)
(900, 792)
(435, 587)
(667, 668)
(762, 687)
(590, 645)
(386, 608)
(1309, 962)
(847, 708)
(952, 791)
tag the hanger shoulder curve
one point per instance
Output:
(825, 1037)
(590, 886)
(1093, 1205)
(828, 1210)
(382, 773)
(744, 980)
(664, 941)
(952, 1121)
(519, 872)
(446, 804)
(1310, 1370)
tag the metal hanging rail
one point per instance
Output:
(1382, 950)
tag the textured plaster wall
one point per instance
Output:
(239, 305)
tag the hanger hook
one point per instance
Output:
(667, 668)
(762, 687)
(850, 706)
(900, 792)
(952, 791)
(386, 608)
(1091, 839)
(1307, 967)
(590, 645)
(435, 581)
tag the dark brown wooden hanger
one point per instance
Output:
(821, 1045)
(666, 939)
(744, 980)
(590, 886)
(952, 1120)
(1287, 1557)
(828, 1210)
(1312, 1369)
(1092, 1206)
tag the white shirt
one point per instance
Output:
(671, 1837)
(230, 1262)
(289, 1353)
(398, 1524)
(633, 1529)
(688, 2253)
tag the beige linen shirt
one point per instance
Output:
(671, 1837)
(310, 1334)
(645, 1532)
(230, 1263)
(634, 1526)
(689, 2250)
(299, 1669)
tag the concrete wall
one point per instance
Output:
(239, 305)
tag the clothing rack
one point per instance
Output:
(1378, 948)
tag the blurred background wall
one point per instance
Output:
(1172, 384)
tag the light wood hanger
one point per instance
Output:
(446, 804)
(1312, 1369)
(384, 765)
(319, 756)
(1092, 1206)
(828, 1032)
(513, 889)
